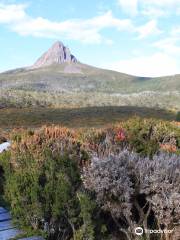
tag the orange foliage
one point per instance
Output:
(59, 140)
(177, 124)
(168, 147)
(120, 135)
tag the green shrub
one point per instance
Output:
(145, 136)
(45, 196)
(43, 184)
(178, 117)
(4, 174)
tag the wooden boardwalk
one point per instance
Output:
(7, 230)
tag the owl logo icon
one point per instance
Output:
(139, 231)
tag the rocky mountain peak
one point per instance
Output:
(57, 54)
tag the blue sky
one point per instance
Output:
(140, 37)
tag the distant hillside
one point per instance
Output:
(59, 80)
(77, 77)
(79, 84)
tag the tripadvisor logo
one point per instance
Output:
(139, 231)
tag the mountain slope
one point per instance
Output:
(67, 77)
(78, 77)
(57, 78)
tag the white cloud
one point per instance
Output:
(11, 13)
(170, 45)
(129, 6)
(150, 8)
(154, 12)
(161, 3)
(84, 30)
(150, 28)
(158, 64)
(175, 32)
(88, 31)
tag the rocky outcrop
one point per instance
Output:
(57, 54)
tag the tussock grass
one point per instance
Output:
(76, 117)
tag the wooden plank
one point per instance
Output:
(5, 216)
(2, 210)
(7, 230)
(32, 238)
(8, 234)
(5, 225)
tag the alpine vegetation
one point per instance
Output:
(95, 184)
(137, 191)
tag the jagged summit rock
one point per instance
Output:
(57, 54)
